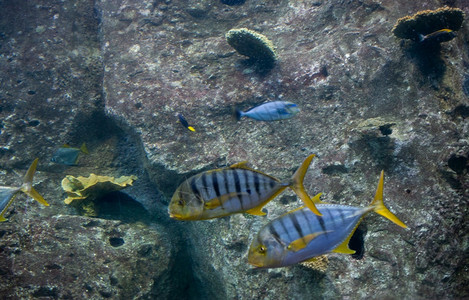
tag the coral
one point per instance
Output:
(252, 44)
(428, 21)
(84, 190)
(318, 263)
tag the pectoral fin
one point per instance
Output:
(301, 243)
(219, 201)
(257, 211)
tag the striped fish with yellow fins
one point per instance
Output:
(8, 193)
(235, 189)
(301, 235)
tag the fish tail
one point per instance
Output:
(237, 113)
(27, 186)
(84, 149)
(298, 187)
(378, 204)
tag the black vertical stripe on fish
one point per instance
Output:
(194, 188)
(247, 181)
(205, 186)
(236, 181)
(321, 222)
(256, 183)
(341, 214)
(305, 216)
(274, 233)
(330, 216)
(283, 236)
(272, 183)
(180, 196)
(215, 184)
(296, 224)
(284, 226)
(237, 185)
(226, 180)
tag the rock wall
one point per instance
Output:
(72, 71)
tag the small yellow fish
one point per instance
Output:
(8, 193)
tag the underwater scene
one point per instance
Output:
(234, 149)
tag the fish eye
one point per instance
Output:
(181, 202)
(262, 249)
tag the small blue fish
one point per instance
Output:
(301, 235)
(8, 193)
(67, 155)
(440, 36)
(270, 111)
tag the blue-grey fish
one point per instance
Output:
(8, 193)
(301, 235)
(440, 36)
(67, 155)
(236, 189)
(270, 111)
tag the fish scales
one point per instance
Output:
(303, 234)
(329, 230)
(244, 187)
(235, 189)
(332, 227)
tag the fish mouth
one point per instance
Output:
(255, 263)
(174, 216)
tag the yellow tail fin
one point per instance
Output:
(297, 185)
(27, 186)
(378, 204)
(84, 149)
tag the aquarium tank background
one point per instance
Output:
(122, 102)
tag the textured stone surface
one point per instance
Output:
(384, 104)
(79, 257)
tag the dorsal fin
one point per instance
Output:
(240, 165)
(244, 165)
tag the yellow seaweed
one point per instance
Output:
(84, 190)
